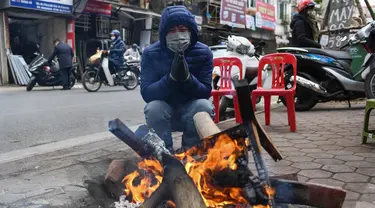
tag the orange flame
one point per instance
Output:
(200, 164)
(270, 192)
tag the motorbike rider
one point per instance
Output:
(305, 30)
(133, 53)
(116, 52)
(65, 55)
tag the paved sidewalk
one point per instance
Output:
(325, 149)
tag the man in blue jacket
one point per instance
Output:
(116, 51)
(65, 55)
(176, 77)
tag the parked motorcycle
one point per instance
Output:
(47, 74)
(326, 75)
(369, 73)
(240, 47)
(98, 72)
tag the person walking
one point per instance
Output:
(305, 30)
(65, 56)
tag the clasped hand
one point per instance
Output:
(179, 68)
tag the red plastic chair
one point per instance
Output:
(278, 62)
(225, 65)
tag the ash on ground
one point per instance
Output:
(123, 203)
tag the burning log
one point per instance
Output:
(286, 187)
(176, 183)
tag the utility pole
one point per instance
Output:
(325, 14)
(360, 10)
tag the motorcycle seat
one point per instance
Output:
(54, 69)
(340, 55)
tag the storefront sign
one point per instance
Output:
(250, 22)
(340, 14)
(265, 16)
(55, 6)
(198, 19)
(232, 12)
(99, 8)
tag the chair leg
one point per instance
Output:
(216, 105)
(365, 125)
(291, 113)
(267, 108)
(237, 112)
(254, 100)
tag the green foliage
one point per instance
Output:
(318, 1)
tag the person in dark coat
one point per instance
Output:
(176, 77)
(116, 51)
(305, 31)
(65, 56)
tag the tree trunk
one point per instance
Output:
(360, 11)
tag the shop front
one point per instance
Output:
(95, 19)
(261, 26)
(31, 25)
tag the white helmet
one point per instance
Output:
(240, 44)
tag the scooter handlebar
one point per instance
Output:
(344, 46)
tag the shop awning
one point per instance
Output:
(128, 10)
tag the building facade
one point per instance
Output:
(26, 24)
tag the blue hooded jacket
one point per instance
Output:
(117, 51)
(157, 61)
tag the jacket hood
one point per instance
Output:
(296, 18)
(177, 15)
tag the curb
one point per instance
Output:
(73, 142)
(18, 88)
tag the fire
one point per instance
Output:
(201, 164)
(270, 192)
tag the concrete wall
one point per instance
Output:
(4, 4)
(52, 29)
(3, 58)
(146, 33)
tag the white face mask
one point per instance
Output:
(113, 38)
(178, 41)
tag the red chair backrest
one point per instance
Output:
(278, 62)
(225, 64)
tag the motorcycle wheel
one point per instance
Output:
(134, 81)
(370, 85)
(223, 105)
(304, 99)
(88, 79)
(31, 84)
(72, 81)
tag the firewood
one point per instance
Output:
(157, 197)
(181, 187)
(205, 125)
(316, 195)
(176, 182)
(177, 185)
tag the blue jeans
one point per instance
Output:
(164, 119)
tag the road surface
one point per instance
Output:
(42, 116)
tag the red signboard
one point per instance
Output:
(96, 7)
(232, 12)
(265, 16)
(70, 34)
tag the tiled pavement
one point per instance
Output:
(325, 149)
